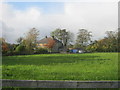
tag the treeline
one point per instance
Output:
(110, 43)
(107, 44)
(27, 44)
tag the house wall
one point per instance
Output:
(56, 47)
(41, 45)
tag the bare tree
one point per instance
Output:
(64, 36)
(84, 37)
(30, 39)
(19, 40)
(111, 34)
(112, 37)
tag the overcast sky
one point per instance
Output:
(18, 17)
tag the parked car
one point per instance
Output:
(76, 50)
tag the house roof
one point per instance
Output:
(46, 40)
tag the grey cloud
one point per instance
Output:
(96, 17)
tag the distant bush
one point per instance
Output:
(19, 50)
(9, 53)
(41, 51)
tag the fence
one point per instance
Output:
(59, 84)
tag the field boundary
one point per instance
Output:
(59, 84)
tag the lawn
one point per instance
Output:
(88, 66)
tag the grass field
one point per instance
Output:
(89, 66)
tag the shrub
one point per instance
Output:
(9, 53)
(20, 49)
(41, 51)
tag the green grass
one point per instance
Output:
(89, 66)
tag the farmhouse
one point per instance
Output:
(51, 43)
